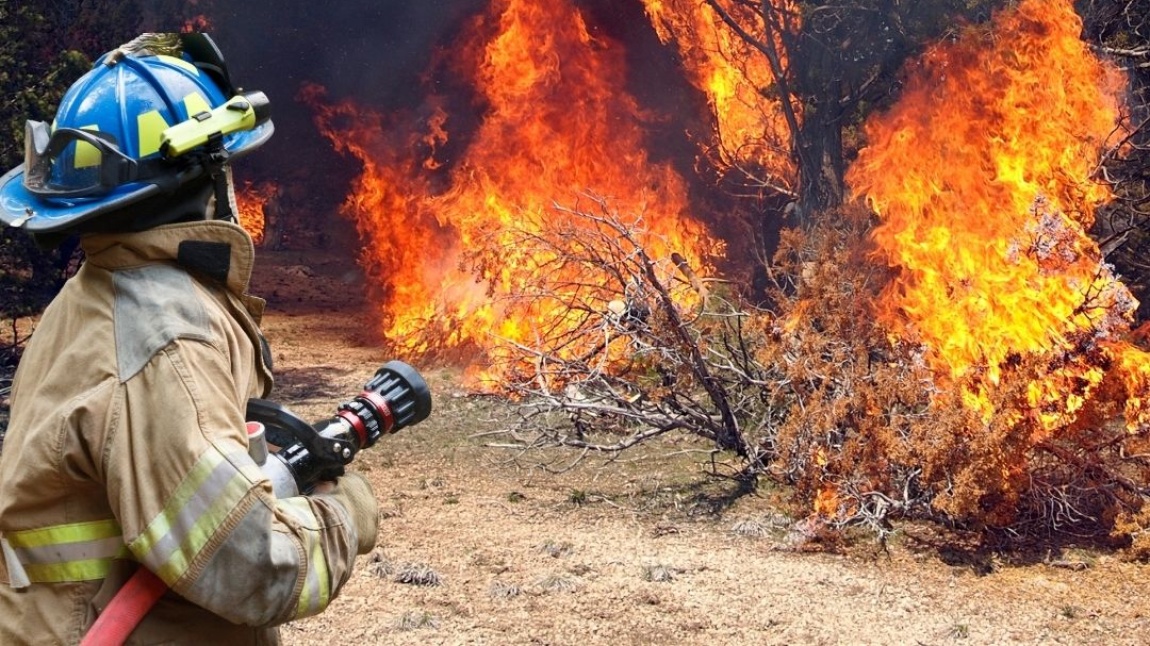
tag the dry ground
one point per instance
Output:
(476, 548)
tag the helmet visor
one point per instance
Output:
(70, 162)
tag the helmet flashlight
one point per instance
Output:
(242, 112)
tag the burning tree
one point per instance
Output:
(789, 81)
(441, 221)
(986, 221)
(950, 344)
(1123, 30)
(957, 349)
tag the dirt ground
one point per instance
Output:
(479, 546)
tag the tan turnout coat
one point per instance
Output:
(126, 446)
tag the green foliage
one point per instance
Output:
(32, 80)
(44, 48)
(29, 276)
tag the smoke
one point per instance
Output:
(381, 55)
(374, 51)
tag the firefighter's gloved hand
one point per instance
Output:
(354, 492)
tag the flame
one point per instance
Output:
(1132, 367)
(444, 232)
(733, 76)
(199, 23)
(982, 178)
(827, 502)
(251, 198)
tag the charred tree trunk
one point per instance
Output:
(829, 62)
(818, 141)
(816, 131)
(820, 146)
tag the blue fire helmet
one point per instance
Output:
(150, 116)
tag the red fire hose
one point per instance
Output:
(126, 609)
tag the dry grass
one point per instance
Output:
(623, 547)
(417, 574)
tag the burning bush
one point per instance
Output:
(872, 430)
(817, 393)
(979, 371)
(627, 353)
(953, 344)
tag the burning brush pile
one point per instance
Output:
(949, 344)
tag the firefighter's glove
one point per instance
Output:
(354, 492)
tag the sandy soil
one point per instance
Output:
(479, 547)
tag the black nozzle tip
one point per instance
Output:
(420, 393)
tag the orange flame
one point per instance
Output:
(250, 201)
(982, 178)
(196, 24)
(733, 76)
(443, 235)
(827, 502)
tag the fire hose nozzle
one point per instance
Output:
(394, 398)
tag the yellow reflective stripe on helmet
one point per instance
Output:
(149, 127)
(194, 513)
(194, 103)
(72, 552)
(86, 155)
(316, 591)
(180, 62)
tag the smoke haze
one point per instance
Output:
(379, 54)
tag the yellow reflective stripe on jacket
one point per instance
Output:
(72, 552)
(194, 513)
(316, 592)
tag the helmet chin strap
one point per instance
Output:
(224, 196)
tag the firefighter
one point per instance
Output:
(126, 445)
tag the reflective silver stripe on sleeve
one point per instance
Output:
(316, 593)
(17, 578)
(79, 551)
(209, 493)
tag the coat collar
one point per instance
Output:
(220, 250)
